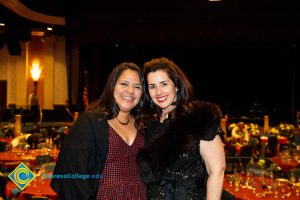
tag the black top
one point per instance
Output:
(171, 165)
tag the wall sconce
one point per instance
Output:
(35, 73)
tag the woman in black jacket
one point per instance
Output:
(98, 158)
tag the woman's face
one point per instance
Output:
(161, 89)
(128, 90)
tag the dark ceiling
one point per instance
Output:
(148, 20)
(193, 21)
(13, 20)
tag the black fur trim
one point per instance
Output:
(195, 121)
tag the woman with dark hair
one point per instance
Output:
(183, 156)
(104, 142)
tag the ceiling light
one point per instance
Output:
(37, 33)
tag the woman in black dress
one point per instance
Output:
(183, 156)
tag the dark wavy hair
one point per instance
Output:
(107, 107)
(185, 91)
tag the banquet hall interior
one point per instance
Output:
(55, 57)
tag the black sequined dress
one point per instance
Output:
(184, 180)
(171, 165)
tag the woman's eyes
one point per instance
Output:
(161, 84)
(151, 87)
(127, 85)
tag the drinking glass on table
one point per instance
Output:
(263, 183)
(237, 182)
(263, 186)
(275, 188)
(231, 178)
(254, 186)
(292, 179)
(36, 171)
(297, 190)
(240, 168)
(283, 189)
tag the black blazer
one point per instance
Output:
(83, 152)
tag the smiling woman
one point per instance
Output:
(181, 136)
(105, 140)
